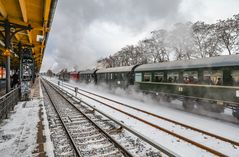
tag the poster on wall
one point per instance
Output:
(2, 73)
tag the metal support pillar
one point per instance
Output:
(8, 79)
(10, 29)
(7, 42)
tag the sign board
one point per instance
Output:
(237, 93)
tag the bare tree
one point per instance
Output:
(184, 41)
(160, 45)
(181, 41)
(49, 73)
(227, 32)
(205, 40)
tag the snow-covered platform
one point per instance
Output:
(24, 132)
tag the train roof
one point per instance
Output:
(74, 72)
(218, 61)
(116, 69)
(87, 71)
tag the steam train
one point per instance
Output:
(208, 83)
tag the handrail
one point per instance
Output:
(8, 101)
(5, 95)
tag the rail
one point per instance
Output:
(216, 152)
(7, 102)
(163, 149)
(122, 150)
(159, 117)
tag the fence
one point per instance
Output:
(7, 102)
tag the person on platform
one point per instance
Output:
(15, 80)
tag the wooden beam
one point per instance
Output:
(29, 36)
(24, 10)
(20, 22)
(17, 37)
(30, 39)
(47, 6)
(3, 10)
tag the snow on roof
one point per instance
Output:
(218, 61)
(87, 71)
(74, 72)
(116, 69)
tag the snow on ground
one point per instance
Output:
(48, 145)
(18, 133)
(228, 130)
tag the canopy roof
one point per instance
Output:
(36, 13)
(117, 69)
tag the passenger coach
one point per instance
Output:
(88, 76)
(198, 83)
(74, 75)
(117, 77)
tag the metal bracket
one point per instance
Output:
(10, 29)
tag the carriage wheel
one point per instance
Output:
(188, 104)
(235, 113)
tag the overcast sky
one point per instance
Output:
(84, 31)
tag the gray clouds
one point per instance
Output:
(85, 30)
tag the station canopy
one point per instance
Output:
(37, 14)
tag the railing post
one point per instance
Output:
(6, 108)
(76, 90)
(8, 102)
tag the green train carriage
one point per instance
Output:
(88, 76)
(116, 77)
(209, 83)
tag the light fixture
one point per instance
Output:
(40, 38)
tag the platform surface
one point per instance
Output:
(24, 132)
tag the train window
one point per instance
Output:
(235, 77)
(147, 77)
(190, 77)
(158, 76)
(138, 77)
(111, 76)
(123, 76)
(102, 76)
(213, 77)
(172, 77)
(115, 75)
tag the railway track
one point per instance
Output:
(234, 145)
(92, 134)
(63, 147)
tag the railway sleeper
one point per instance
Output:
(86, 134)
(100, 151)
(103, 141)
(90, 139)
(110, 154)
(79, 129)
(96, 146)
